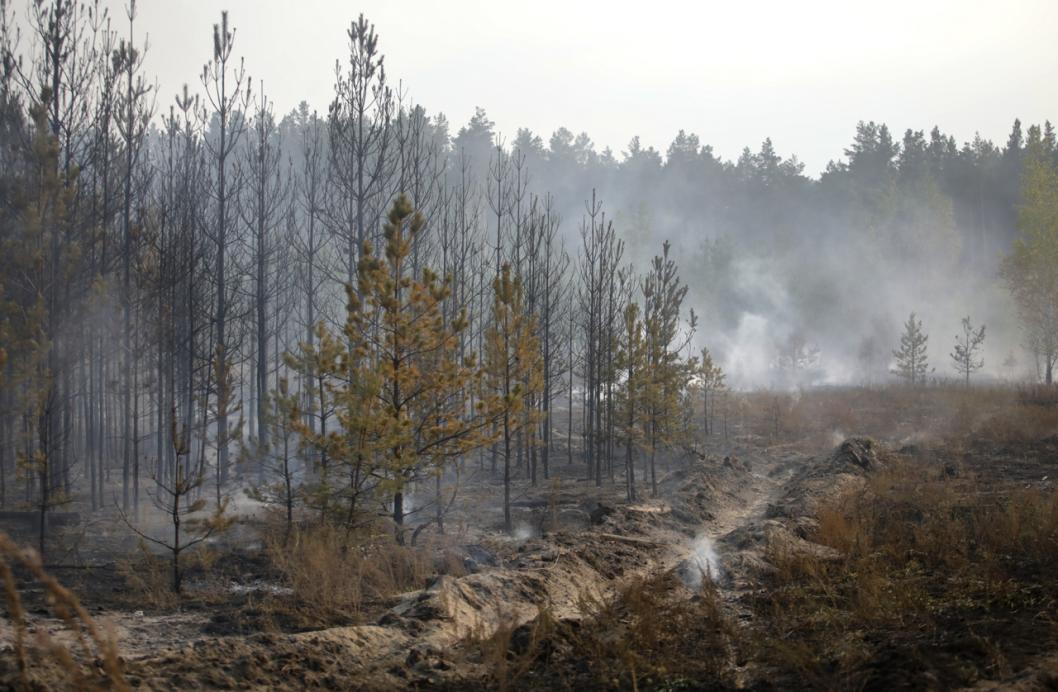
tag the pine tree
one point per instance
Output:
(663, 295)
(631, 360)
(227, 91)
(346, 454)
(515, 369)
(416, 353)
(398, 385)
(225, 404)
(911, 360)
(1010, 365)
(266, 193)
(40, 261)
(5, 343)
(1031, 268)
(710, 380)
(360, 127)
(280, 486)
(178, 497)
(965, 357)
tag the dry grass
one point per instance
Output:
(510, 652)
(654, 634)
(148, 577)
(949, 413)
(938, 579)
(89, 662)
(331, 569)
(1038, 395)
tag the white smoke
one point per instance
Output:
(702, 561)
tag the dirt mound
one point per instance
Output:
(819, 478)
(860, 452)
(412, 644)
(478, 604)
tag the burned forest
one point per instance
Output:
(305, 386)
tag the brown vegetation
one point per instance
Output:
(332, 570)
(655, 634)
(933, 578)
(923, 557)
(951, 414)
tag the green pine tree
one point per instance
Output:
(911, 360)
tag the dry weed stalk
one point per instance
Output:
(95, 646)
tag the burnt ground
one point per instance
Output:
(576, 550)
(574, 544)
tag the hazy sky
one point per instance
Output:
(802, 72)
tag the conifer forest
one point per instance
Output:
(332, 392)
